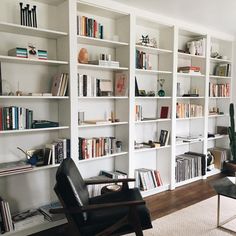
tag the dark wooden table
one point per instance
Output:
(224, 187)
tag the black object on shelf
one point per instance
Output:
(190, 95)
(28, 17)
(37, 124)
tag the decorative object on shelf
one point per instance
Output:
(210, 161)
(80, 117)
(164, 114)
(192, 49)
(18, 92)
(150, 93)
(118, 146)
(31, 159)
(136, 88)
(145, 40)
(83, 56)
(28, 17)
(32, 52)
(222, 69)
(113, 118)
(153, 43)
(121, 84)
(164, 137)
(142, 93)
(161, 92)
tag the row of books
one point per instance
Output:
(146, 179)
(89, 27)
(189, 70)
(189, 165)
(89, 86)
(164, 113)
(219, 90)
(56, 151)
(15, 118)
(97, 147)
(143, 60)
(60, 84)
(186, 110)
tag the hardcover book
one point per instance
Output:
(164, 112)
(121, 84)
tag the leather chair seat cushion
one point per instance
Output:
(99, 220)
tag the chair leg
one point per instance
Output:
(134, 219)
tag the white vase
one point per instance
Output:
(192, 48)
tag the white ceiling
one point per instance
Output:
(217, 14)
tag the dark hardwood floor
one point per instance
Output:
(165, 203)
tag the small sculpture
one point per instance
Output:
(83, 56)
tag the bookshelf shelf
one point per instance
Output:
(31, 170)
(155, 51)
(151, 149)
(97, 67)
(189, 118)
(219, 77)
(100, 42)
(159, 189)
(218, 137)
(152, 121)
(31, 31)
(153, 71)
(188, 181)
(189, 143)
(34, 97)
(152, 97)
(185, 55)
(40, 227)
(102, 125)
(216, 116)
(11, 59)
(33, 130)
(102, 98)
(190, 75)
(200, 97)
(219, 97)
(220, 60)
(119, 154)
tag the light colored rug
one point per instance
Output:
(196, 220)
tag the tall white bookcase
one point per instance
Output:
(123, 27)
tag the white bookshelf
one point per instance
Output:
(57, 33)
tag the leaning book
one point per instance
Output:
(27, 219)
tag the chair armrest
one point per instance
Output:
(108, 181)
(95, 207)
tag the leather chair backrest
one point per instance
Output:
(72, 188)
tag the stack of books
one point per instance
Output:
(146, 179)
(42, 55)
(190, 70)
(105, 63)
(14, 167)
(18, 52)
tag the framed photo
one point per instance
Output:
(221, 70)
(121, 84)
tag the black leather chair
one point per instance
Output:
(113, 213)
